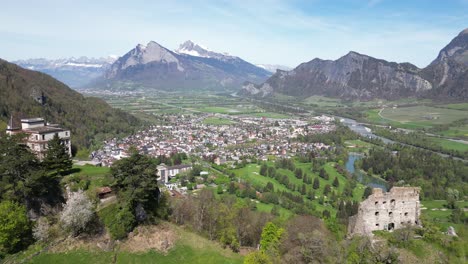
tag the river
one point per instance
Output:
(361, 176)
(367, 132)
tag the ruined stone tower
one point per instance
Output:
(386, 211)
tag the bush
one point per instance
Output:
(41, 229)
(77, 213)
(118, 220)
(15, 227)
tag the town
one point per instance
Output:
(245, 137)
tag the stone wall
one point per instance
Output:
(386, 211)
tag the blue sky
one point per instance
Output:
(260, 31)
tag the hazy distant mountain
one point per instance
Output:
(191, 66)
(358, 76)
(273, 67)
(75, 72)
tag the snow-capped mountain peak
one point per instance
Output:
(273, 67)
(193, 49)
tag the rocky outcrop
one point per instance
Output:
(449, 71)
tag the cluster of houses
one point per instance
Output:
(246, 137)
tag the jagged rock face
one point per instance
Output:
(143, 55)
(191, 66)
(357, 76)
(352, 76)
(449, 71)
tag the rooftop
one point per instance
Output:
(32, 120)
(44, 129)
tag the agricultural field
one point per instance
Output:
(456, 132)
(461, 106)
(415, 117)
(269, 115)
(147, 107)
(217, 121)
(449, 144)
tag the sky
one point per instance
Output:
(259, 31)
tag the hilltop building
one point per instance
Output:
(39, 133)
(386, 211)
(166, 172)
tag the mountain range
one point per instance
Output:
(75, 72)
(358, 76)
(191, 66)
(88, 117)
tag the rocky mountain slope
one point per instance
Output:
(358, 76)
(87, 118)
(189, 67)
(74, 72)
(449, 71)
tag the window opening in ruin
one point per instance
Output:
(406, 213)
(390, 214)
(376, 213)
(376, 203)
(392, 202)
(376, 224)
(384, 202)
(391, 226)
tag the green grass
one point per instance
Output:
(250, 173)
(415, 116)
(462, 106)
(218, 109)
(189, 248)
(269, 115)
(217, 121)
(358, 145)
(284, 213)
(449, 145)
(456, 132)
(441, 217)
(180, 254)
(79, 256)
(95, 175)
(322, 101)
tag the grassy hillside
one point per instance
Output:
(87, 118)
(188, 248)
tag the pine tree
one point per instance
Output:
(316, 184)
(57, 158)
(323, 174)
(336, 183)
(327, 189)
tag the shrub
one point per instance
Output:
(118, 220)
(15, 227)
(77, 213)
(41, 229)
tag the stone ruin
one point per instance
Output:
(386, 211)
